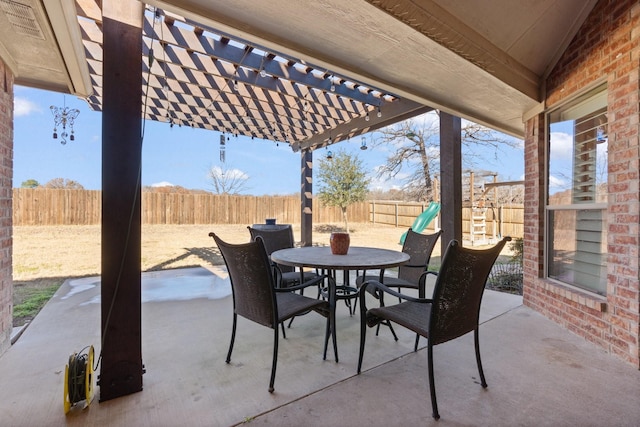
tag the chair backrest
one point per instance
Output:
(419, 247)
(252, 282)
(458, 290)
(275, 239)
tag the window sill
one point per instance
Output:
(579, 296)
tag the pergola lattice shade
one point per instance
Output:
(196, 76)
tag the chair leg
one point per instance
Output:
(326, 339)
(284, 334)
(432, 385)
(476, 340)
(233, 336)
(291, 320)
(334, 339)
(363, 332)
(415, 347)
(387, 323)
(275, 359)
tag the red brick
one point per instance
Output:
(6, 173)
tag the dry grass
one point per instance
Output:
(45, 256)
(74, 250)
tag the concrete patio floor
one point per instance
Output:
(538, 373)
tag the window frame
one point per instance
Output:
(578, 106)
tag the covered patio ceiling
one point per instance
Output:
(266, 69)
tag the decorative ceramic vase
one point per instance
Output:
(339, 243)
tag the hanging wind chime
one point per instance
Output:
(64, 116)
(222, 149)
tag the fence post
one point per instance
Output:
(373, 211)
(396, 208)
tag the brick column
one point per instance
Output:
(6, 225)
(623, 213)
(534, 179)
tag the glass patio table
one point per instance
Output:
(357, 258)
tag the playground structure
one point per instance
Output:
(491, 209)
(482, 196)
(423, 220)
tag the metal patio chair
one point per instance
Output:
(256, 296)
(278, 238)
(410, 275)
(453, 310)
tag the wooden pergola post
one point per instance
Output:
(451, 178)
(121, 366)
(306, 196)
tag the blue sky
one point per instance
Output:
(179, 155)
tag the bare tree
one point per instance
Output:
(416, 151)
(226, 180)
(64, 183)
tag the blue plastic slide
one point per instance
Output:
(423, 219)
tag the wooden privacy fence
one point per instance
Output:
(507, 220)
(43, 206)
(39, 206)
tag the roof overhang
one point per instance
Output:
(40, 42)
(483, 61)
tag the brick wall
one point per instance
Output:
(606, 49)
(6, 176)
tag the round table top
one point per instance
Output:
(357, 258)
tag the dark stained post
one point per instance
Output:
(306, 196)
(121, 367)
(450, 179)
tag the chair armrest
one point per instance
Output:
(424, 275)
(306, 284)
(422, 282)
(277, 274)
(381, 287)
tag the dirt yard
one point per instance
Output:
(73, 251)
(45, 256)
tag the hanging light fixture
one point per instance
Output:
(333, 85)
(363, 145)
(64, 116)
(329, 155)
(262, 72)
(367, 118)
(222, 149)
(379, 113)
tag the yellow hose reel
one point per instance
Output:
(78, 379)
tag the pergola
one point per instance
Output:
(305, 73)
(194, 75)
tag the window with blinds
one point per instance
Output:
(576, 194)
